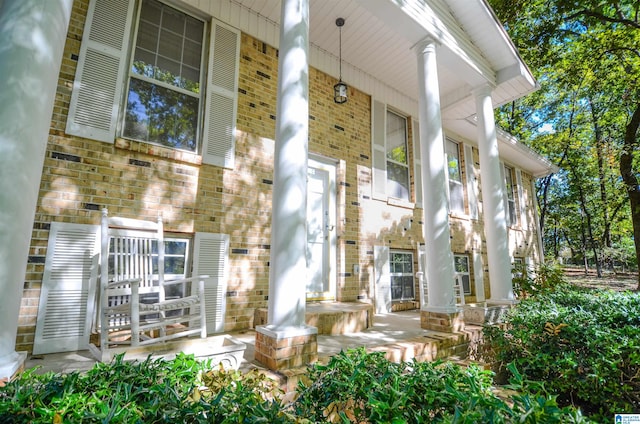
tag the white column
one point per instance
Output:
(495, 224)
(33, 33)
(439, 258)
(287, 286)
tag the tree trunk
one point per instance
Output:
(630, 179)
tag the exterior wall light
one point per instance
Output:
(340, 89)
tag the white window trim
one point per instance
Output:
(97, 99)
(468, 273)
(399, 274)
(379, 174)
(461, 213)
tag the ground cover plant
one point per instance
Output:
(355, 386)
(583, 343)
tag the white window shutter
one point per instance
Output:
(67, 298)
(218, 147)
(472, 182)
(422, 276)
(382, 279)
(417, 162)
(521, 199)
(211, 257)
(505, 199)
(478, 276)
(379, 150)
(102, 66)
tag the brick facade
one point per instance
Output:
(134, 179)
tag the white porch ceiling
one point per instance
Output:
(378, 36)
(377, 55)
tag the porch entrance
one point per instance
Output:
(321, 234)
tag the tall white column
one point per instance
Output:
(495, 223)
(33, 33)
(287, 286)
(439, 258)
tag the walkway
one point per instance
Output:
(399, 334)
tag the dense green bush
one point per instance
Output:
(584, 344)
(361, 387)
(354, 387)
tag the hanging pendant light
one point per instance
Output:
(340, 89)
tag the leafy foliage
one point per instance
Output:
(544, 278)
(584, 344)
(585, 118)
(354, 387)
(360, 387)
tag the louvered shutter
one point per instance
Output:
(472, 183)
(222, 96)
(67, 297)
(422, 276)
(478, 275)
(505, 198)
(379, 150)
(521, 200)
(417, 162)
(211, 257)
(102, 65)
(382, 279)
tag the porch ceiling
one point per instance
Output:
(378, 37)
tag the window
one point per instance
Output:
(510, 199)
(171, 80)
(401, 272)
(456, 199)
(461, 268)
(176, 255)
(165, 78)
(397, 157)
(390, 167)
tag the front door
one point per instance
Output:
(321, 240)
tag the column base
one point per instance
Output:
(286, 348)
(10, 365)
(444, 321)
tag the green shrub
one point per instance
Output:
(354, 387)
(546, 277)
(584, 344)
(366, 388)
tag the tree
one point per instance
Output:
(586, 56)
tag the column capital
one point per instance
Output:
(426, 45)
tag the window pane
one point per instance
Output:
(453, 161)
(462, 263)
(161, 115)
(164, 42)
(175, 247)
(174, 265)
(397, 181)
(456, 197)
(396, 138)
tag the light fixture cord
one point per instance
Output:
(340, 42)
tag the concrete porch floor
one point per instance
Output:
(398, 334)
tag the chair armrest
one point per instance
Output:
(187, 280)
(130, 281)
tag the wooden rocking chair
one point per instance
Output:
(135, 308)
